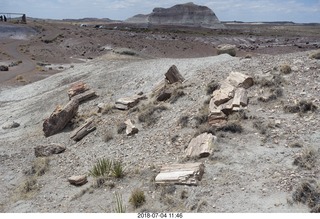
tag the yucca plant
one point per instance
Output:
(120, 208)
(117, 169)
(101, 168)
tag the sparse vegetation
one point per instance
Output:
(231, 127)
(308, 193)
(121, 128)
(39, 167)
(176, 95)
(306, 158)
(285, 69)
(295, 145)
(108, 136)
(137, 198)
(107, 109)
(301, 107)
(315, 55)
(261, 126)
(212, 86)
(183, 121)
(117, 169)
(101, 168)
(120, 207)
(148, 115)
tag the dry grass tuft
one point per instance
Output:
(212, 86)
(231, 127)
(149, 114)
(306, 158)
(308, 193)
(285, 69)
(108, 136)
(137, 198)
(301, 107)
(183, 121)
(121, 128)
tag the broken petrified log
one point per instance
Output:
(48, 150)
(78, 180)
(129, 102)
(240, 98)
(77, 88)
(130, 129)
(201, 146)
(173, 75)
(238, 79)
(83, 130)
(85, 96)
(223, 94)
(60, 118)
(187, 174)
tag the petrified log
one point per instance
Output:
(47, 150)
(84, 96)
(240, 98)
(128, 102)
(77, 88)
(223, 94)
(60, 118)
(83, 130)
(173, 75)
(227, 49)
(188, 174)
(217, 119)
(238, 79)
(130, 129)
(201, 146)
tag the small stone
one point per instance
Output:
(47, 150)
(78, 180)
(11, 125)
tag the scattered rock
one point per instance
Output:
(4, 68)
(240, 98)
(285, 69)
(85, 96)
(130, 129)
(173, 75)
(201, 146)
(78, 180)
(48, 150)
(83, 130)
(315, 55)
(11, 125)
(60, 118)
(186, 174)
(126, 103)
(227, 49)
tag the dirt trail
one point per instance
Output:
(11, 47)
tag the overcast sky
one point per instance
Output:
(301, 11)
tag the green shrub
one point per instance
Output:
(120, 207)
(101, 168)
(117, 169)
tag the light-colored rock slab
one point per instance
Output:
(48, 150)
(238, 79)
(201, 146)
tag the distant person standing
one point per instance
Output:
(4, 18)
(1, 18)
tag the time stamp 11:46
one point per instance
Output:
(160, 215)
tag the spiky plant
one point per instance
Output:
(101, 168)
(117, 169)
(120, 207)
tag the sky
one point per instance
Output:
(299, 11)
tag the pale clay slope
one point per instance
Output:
(241, 176)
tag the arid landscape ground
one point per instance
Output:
(268, 162)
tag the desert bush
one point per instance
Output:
(231, 127)
(308, 193)
(101, 168)
(39, 167)
(120, 207)
(121, 128)
(238, 116)
(149, 116)
(117, 169)
(306, 159)
(285, 69)
(137, 198)
(261, 126)
(176, 95)
(212, 86)
(205, 128)
(301, 107)
(30, 184)
(108, 135)
(107, 109)
(183, 121)
(295, 145)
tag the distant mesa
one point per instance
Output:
(188, 14)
